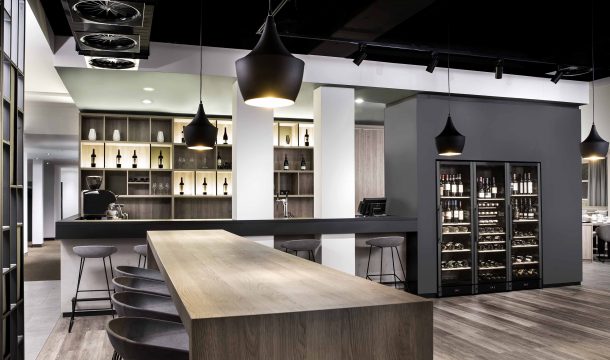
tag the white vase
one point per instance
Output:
(116, 135)
(160, 137)
(92, 135)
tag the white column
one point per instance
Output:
(37, 202)
(334, 164)
(252, 163)
(26, 194)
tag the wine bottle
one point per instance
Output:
(182, 135)
(205, 186)
(460, 185)
(521, 184)
(530, 209)
(530, 184)
(218, 162)
(442, 186)
(135, 160)
(306, 138)
(303, 163)
(118, 158)
(456, 212)
(514, 185)
(460, 213)
(93, 156)
(181, 186)
(487, 188)
(447, 191)
(160, 159)
(481, 187)
(448, 213)
(453, 186)
(494, 188)
(286, 164)
(516, 210)
(225, 137)
(225, 187)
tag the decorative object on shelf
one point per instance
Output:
(269, 76)
(303, 163)
(219, 162)
(118, 159)
(225, 187)
(286, 164)
(306, 138)
(227, 165)
(225, 137)
(161, 136)
(92, 135)
(205, 186)
(200, 134)
(116, 135)
(182, 135)
(449, 142)
(594, 147)
(287, 139)
(135, 160)
(160, 159)
(93, 156)
(181, 186)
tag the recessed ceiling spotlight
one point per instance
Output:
(48, 154)
(359, 100)
(149, 89)
(147, 101)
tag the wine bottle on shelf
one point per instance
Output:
(481, 187)
(182, 135)
(303, 163)
(521, 184)
(118, 159)
(447, 191)
(442, 186)
(494, 188)
(205, 186)
(93, 156)
(460, 185)
(225, 137)
(181, 186)
(487, 189)
(286, 164)
(530, 184)
(225, 187)
(160, 159)
(516, 214)
(218, 162)
(460, 212)
(135, 160)
(530, 210)
(514, 185)
(453, 186)
(306, 138)
(456, 212)
(448, 212)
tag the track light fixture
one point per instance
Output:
(499, 69)
(361, 55)
(558, 75)
(433, 62)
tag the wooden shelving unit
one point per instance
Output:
(11, 213)
(290, 143)
(150, 191)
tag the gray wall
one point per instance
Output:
(504, 130)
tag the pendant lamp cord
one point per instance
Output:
(448, 56)
(201, 51)
(269, 7)
(593, 56)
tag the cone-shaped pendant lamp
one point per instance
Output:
(450, 142)
(269, 76)
(593, 147)
(200, 134)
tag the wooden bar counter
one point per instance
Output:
(242, 300)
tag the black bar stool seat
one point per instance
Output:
(133, 304)
(142, 251)
(137, 272)
(127, 283)
(391, 242)
(92, 252)
(309, 245)
(148, 339)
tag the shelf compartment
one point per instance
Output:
(161, 124)
(188, 178)
(223, 124)
(116, 182)
(86, 150)
(220, 179)
(210, 179)
(202, 207)
(127, 149)
(140, 207)
(179, 124)
(163, 150)
(138, 129)
(306, 128)
(112, 123)
(288, 133)
(301, 207)
(95, 122)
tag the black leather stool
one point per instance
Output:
(391, 242)
(309, 245)
(142, 251)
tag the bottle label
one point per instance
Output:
(481, 194)
(530, 188)
(461, 215)
(461, 189)
(453, 189)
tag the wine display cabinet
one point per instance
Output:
(489, 236)
(12, 182)
(293, 164)
(144, 160)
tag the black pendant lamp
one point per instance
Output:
(269, 76)
(594, 147)
(200, 134)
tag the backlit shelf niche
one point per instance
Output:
(151, 191)
(290, 144)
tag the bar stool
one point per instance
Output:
(309, 245)
(127, 283)
(142, 251)
(133, 304)
(92, 252)
(391, 242)
(138, 272)
(147, 339)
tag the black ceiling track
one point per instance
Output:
(111, 28)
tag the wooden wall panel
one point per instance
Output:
(369, 162)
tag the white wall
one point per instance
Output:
(37, 202)
(69, 179)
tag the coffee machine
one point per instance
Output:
(95, 201)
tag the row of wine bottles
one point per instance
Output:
(225, 137)
(453, 212)
(522, 184)
(451, 185)
(287, 163)
(523, 209)
(225, 186)
(219, 162)
(487, 188)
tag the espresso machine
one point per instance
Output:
(95, 201)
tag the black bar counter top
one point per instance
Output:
(76, 228)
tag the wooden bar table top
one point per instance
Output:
(242, 300)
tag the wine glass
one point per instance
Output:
(167, 192)
(154, 188)
(191, 162)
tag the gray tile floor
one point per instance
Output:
(42, 311)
